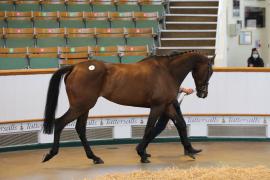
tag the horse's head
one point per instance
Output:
(202, 73)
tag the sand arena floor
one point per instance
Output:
(71, 163)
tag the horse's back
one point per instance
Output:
(135, 84)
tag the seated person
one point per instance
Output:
(255, 60)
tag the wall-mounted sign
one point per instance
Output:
(255, 17)
(203, 119)
(244, 120)
(20, 127)
(236, 8)
(245, 38)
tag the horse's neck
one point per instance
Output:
(180, 67)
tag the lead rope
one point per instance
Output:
(182, 98)
(169, 125)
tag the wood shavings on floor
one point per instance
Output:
(221, 173)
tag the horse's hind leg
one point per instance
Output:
(181, 126)
(81, 128)
(60, 123)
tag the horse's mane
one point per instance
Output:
(171, 55)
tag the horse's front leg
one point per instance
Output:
(159, 127)
(161, 124)
(181, 126)
(155, 112)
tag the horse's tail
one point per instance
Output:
(52, 98)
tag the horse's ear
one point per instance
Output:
(212, 60)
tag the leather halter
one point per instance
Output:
(203, 87)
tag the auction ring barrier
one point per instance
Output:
(129, 129)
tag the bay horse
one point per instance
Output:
(150, 83)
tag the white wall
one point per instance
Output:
(23, 97)
(268, 30)
(237, 55)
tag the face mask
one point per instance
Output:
(255, 56)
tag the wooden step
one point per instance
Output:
(193, 10)
(204, 50)
(191, 25)
(172, 42)
(187, 33)
(191, 17)
(194, 3)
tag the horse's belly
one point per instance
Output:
(128, 100)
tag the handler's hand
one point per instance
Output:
(188, 91)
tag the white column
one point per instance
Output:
(221, 35)
(267, 61)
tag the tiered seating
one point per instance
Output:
(103, 6)
(107, 54)
(19, 19)
(96, 19)
(2, 19)
(53, 5)
(124, 19)
(74, 55)
(14, 19)
(41, 32)
(79, 5)
(48, 37)
(146, 20)
(42, 57)
(127, 5)
(18, 37)
(136, 37)
(81, 37)
(131, 54)
(152, 6)
(13, 58)
(83, 5)
(71, 20)
(7, 5)
(53, 57)
(46, 19)
(2, 42)
(27, 5)
(110, 37)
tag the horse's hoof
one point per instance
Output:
(193, 151)
(142, 153)
(143, 160)
(147, 155)
(139, 151)
(98, 161)
(191, 155)
(47, 158)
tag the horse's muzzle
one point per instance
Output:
(202, 94)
